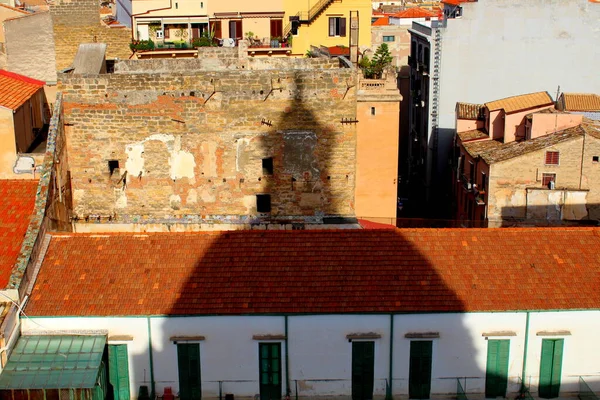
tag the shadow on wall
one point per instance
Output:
(309, 314)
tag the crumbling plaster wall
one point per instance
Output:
(192, 144)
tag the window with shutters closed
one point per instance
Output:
(118, 371)
(552, 157)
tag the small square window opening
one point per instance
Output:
(595, 159)
(112, 165)
(372, 110)
(263, 203)
(267, 166)
(388, 39)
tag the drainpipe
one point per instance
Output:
(523, 387)
(388, 394)
(152, 385)
(287, 359)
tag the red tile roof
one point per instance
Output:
(337, 271)
(16, 89)
(381, 21)
(415, 12)
(17, 199)
(458, 2)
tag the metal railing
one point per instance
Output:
(460, 391)
(585, 393)
(308, 16)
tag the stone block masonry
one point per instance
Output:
(78, 21)
(156, 147)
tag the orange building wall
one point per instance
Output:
(377, 160)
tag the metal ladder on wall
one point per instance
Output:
(435, 98)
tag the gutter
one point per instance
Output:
(388, 391)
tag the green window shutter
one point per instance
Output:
(188, 360)
(550, 367)
(118, 366)
(419, 379)
(496, 379)
(363, 370)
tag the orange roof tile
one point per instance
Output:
(15, 9)
(335, 271)
(382, 21)
(469, 111)
(16, 89)
(415, 12)
(457, 2)
(581, 101)
(17, 199)
(521, 102)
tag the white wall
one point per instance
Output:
(502, 48)
(320, 355)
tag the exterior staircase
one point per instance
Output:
(307, 17)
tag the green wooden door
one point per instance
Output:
(188, 361)
(118, 371)
(496, 376)
(550, 367)
(419, 374)
(270, 370)
(363, 370)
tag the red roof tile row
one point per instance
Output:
(17, 199)
(340, 271)
(16, 89)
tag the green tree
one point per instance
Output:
(381, 59)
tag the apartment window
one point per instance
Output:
(372, 110)
(235, 29)
(389, 38)
(595, 159)
(215, 29)
(263, 203)
(547, 178)
(337, 26)
(276, 28)
(552, 157)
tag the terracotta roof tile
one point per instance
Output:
(521, 102)
(415, 12)
(492, 151)
(475, 134)
(469, 111)
(17, 199)
(15, 9)
(337, 271)
(581, 101)
(382, 21)
(16, 89)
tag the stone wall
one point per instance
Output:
(191, 146)
(78, 21)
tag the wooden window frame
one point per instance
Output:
(547, 177)
(552, 158)
(337, 26)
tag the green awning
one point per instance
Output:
(54, 362)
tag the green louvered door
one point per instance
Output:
(188, 361)
(270, 370)
(419, 378)
(550, 367)
(363, 370)
(118, 371)
(496, 376)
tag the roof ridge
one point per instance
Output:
(22, 78)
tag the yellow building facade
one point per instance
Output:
(328, 23)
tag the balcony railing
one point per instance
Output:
(585, 393)
(460, 391)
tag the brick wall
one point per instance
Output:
(78, 21)
(192, 144)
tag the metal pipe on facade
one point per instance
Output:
(388, 394)
(152, 384)
(523, 372)
(287, 359)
